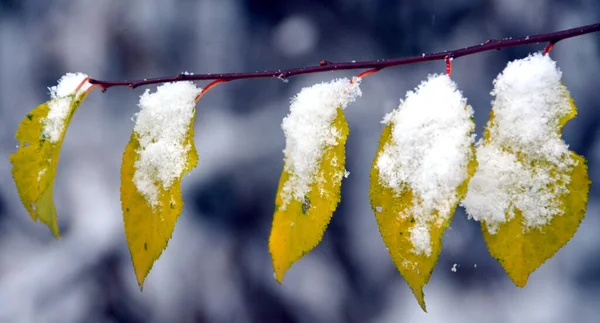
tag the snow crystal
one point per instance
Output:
(41, 173)
(308, 131)
(529, 104)
(429, 153)
(60, 104)
(161, 128)
(454, 268)
(420, 238)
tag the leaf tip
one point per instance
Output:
(420, 296)
(140, 276)
(55, 232)
(520, 278)
(280, 265)
(279, 275)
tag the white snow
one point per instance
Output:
(60, 104)
(308, 132)
(420, 237)
(453, 269)
(530, 100)
(429, 153)
(41, 173)
(529, 103)
(161, 127)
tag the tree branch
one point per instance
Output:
(325, 66)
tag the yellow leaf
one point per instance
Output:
(299, 226)
(389, 205)
(148, 229)
(35, 162)
(521, 250)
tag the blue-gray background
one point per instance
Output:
(217, 266)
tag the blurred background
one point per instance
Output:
(217, 267)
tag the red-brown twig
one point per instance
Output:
(449, 65)
(548, 48)
(325, 66)
(82, 83)
(208, 87)
(367, 73)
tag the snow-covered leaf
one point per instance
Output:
(161, 150)
(40, 137)
(421, 171)
(309, 187)
(529, 191)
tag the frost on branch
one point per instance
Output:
(161, 150)
(420, 173)
(314, 165)
(529, 191)
(40, 137)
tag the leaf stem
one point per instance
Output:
(208, 87)
(548, 48)
(449, 65)
(367, 73)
